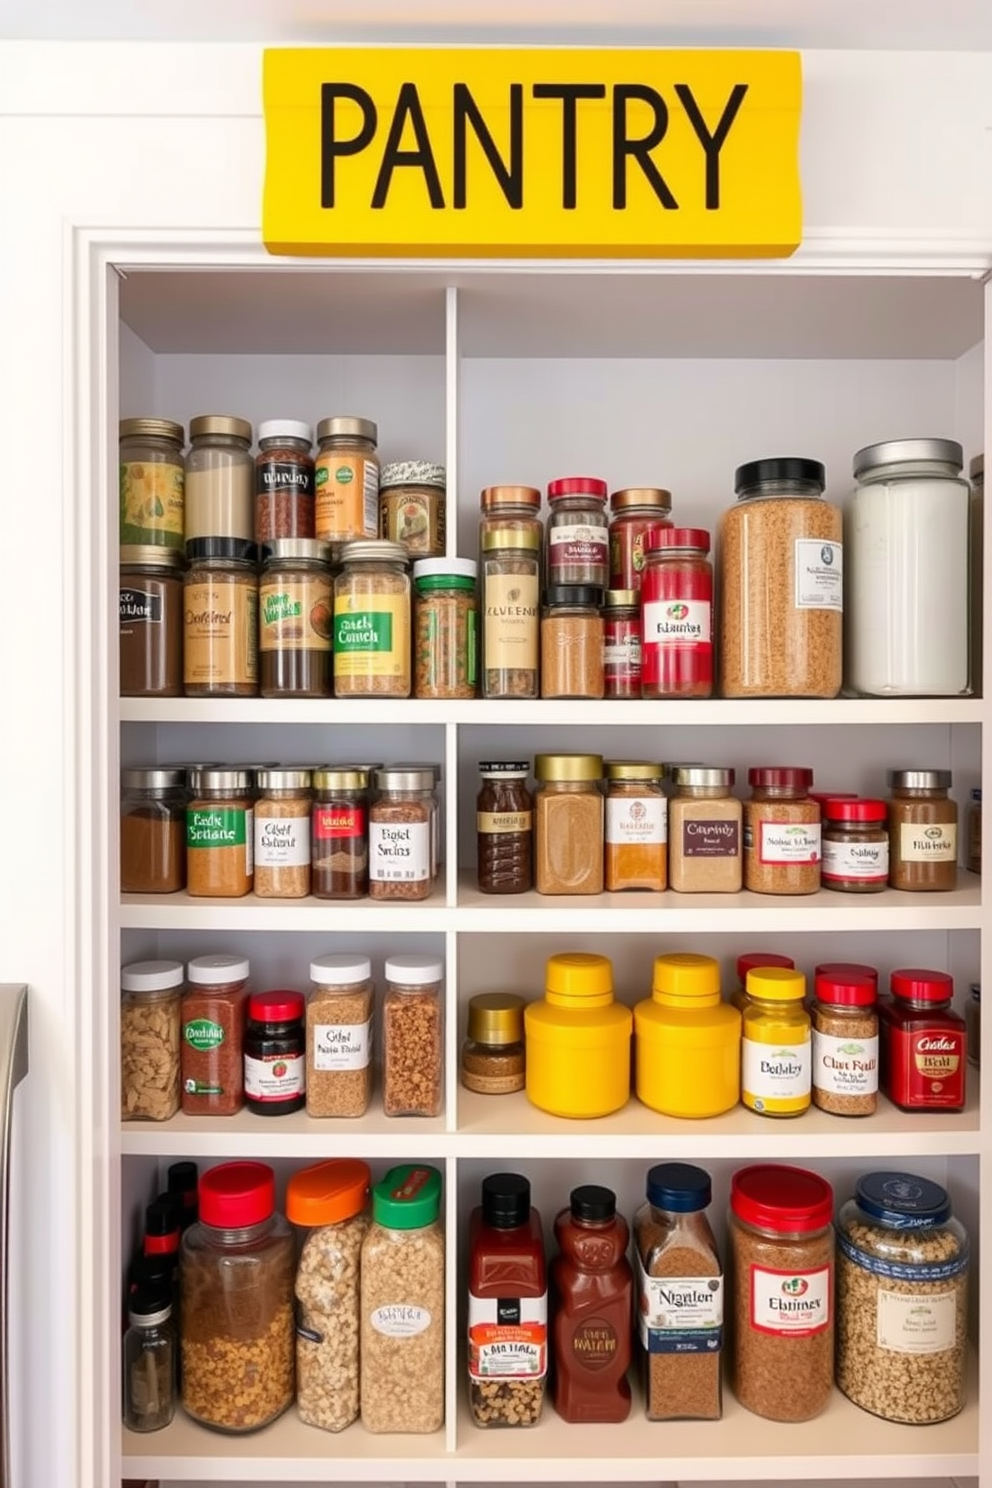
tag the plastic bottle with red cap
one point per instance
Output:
(855, 845)
(924, 1043)
(781, 832)
(275, 1053)
(677, 614)
(578, 549)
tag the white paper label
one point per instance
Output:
(677, 622)
(342, 1046)
(623, 654)
(399, 1320)
(788, 842)
(796, 1303)
(507, 1337)
(679, 1314)
(868, 862)
(845, 1066)
(636, 819)
(282, 841)
(913, 1324)
(819, 574)
(937, 843)
(771, 1072)
(399, 851)
(277, 1078)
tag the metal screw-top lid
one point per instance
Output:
(703, 775)
(919, 779)
(945, 452)
(504, 769)
(621, 599)
(568, 766)
(496, 1018)
(344, 425)
(289, 777)
(155, 778)
(220, 423)
(633, 770)
(281, 548)
(749, 478)
(223, 777)
(412, 473)
(341, 777)
(505, 538)
(149, 555)
(653, 496)
(493, 497)
(149, 1306)
(413, 778)
(902, 1201)
(152, 428)
(374, 550)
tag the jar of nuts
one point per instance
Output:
(413, 1037)
(151, 1000)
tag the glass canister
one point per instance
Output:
(282, 834)
(572, 643)
(776, 1060)
(153, 831)
(687, 1043)
(150, 616)
(346, 479)
(149, 1351)
(514, 509)
(237, 1323)
(492, 1060)
(444, 628)
(902, 1299)
(568, 824)
(924, 1043)
(339, 1036)
(339, 844)
(510, 605)
(215, 1010)
(372, 621)
(907, 543)
(152, 482)
(636, 827)
(923, 831)
(220, 619)
(284, 481)
(704, 832)
(578, 534)
(622, 643)
(401, 834)
(578, 1040)
(504, 828)
(151, 999)
(295, 619)
(635, 511)
(413, 1036)
(855, 841)
(780, 584)
(220, 833)
(220, 479)
(677, 614)
(781, 833)
(844, 1043)
(411, 506)
(747, 962)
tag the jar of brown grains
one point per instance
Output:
(568, 824)
(153, 831)
(572, 643)
(282, 834)
(401, 835)
(220, 618)
(284, 481)
(413, 1037)
(704, 832)
(923, 831)
(845, 1044)
(444, 627)
(220, 833)
(151, 999)
(339, 827)
(411, 506)
(510, 605)
(295, 618)
(493, 1052)
(372, 621)
(215, 1015)
(339, 1036)
(504, 828)
(781, 833)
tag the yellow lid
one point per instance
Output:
(496, 1018)
(776, 984)
(579, 975)
(569, 767)
(683, 974)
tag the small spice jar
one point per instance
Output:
(339, 1036)
(578, 535)
(413, 1037)
(923, 831)
(572, 643)
(152, 482)
(973, 1024)
(687, 1043)
(220, 833)
(781, 833)
(855, 842)
(677, 614)
(510, 600)
(578, 1040)
(149, 1354)
(401, 837)
(284, 481)
(493, 1052)
(514, 509)
(781, 1227)
(844, 1043)
(622, 643)
(275, 1053)
(346, 480)
(220, 619)
(372, 621)
(411, 506)
(295, 618)
(568, 824)
(150, 621)
(975, 832)
(635, 511)
(220, 479)
(747, 962)
(704, 831)
(339, 825)
(504, 829)
(924, 1043)
(151, 999)
(776, 1069)
(636, 827)
(153, 831)
(444, 628)
(214, 1013)
(282, 834)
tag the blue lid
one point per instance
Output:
(902, 1201)
(679, 1187)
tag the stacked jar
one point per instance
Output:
(411, 506)
(511, 540)
(677, 614)
(346, 480)
(635, 511)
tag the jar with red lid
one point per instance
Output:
(855, 846)
(578, 535)
(924, 1043)
(781, 832)
(752, 961)
(275, 1053)
(635, 511)
(622, 643)
(845, 1042)
(677, 614)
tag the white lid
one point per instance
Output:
(288, 428)
(460, 568)
(414, 970)
(340, 971)
(151, 976)
(214, 971)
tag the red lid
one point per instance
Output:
(850, 989)
(842, 971)
(753, 959)
(676, 537)
(282, 1006)
(237, 1194)
(794, 775)
(838, 808)
(781, 1198)
(922, 986)
(577, 485)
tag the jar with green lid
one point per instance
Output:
(568, 824)
(150, 615)
(923, 831)
(220, 832)
(220, 478)
(153, 830)
(510, 603)
(372, 621)
(411, 506)
(578, 1040)
(295, 619)
(493, 1052)
(444, 629)
(687, 1043)
(346, 479)
(220, 619)
(776, 1058)
(152, 482)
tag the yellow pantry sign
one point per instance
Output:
(383, 151)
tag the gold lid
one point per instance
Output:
(621, 599)
(641, 496)
(633, 770)
(496, 1018)
(148, 555)
(342, 777)
(503, 539)
(510, 496)
(152, 428)
(568, 766)
(220, 423)
(346, 426)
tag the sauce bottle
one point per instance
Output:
(507, 1305)
(593, 1288)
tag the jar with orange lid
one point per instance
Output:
(633, 512)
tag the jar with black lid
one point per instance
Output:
(150, 613)
(275, 1053)
(153, 831)
(284, 481)
(504, 829)
(572, 642)
(296, 618)
(220, 622)
(220, 478)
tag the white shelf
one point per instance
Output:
(184, 912)
(297, 1135)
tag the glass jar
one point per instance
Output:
(339, 844)
(510, 509)
(220, 833)
(510, 599)
(275, 1053)
(220, 479)
(976, 576)
(149, 1351)
(924, 1043)
(346, 479)
(493, 1052)
(339, 1036)
(237, 1327)
(923, 831)
(150, 620)
(568, 824)
(153, 831)
(504, 829)
(578, 535)
(780, 584)
(214, 1012)
(284, 481)
(372, 621)
(152, 482)
(855, 846)
(747, 962)
(677, 614)
(902, 1299)
(687, 1043)
(781, 833)
(578, 1040)
(975, 832)
(845, 1044)
(282, 834)
(622, 643)
(572, 643)
(401, 834)
(413, 1037)
(444, 627)
(704, 832)
(220, 619)
(411, 506)
(151, 999)
(295, 618)
(636, 827)
(425, 770)
(776, 1065)
(973, 1024)
(635, 511)
(911, 505)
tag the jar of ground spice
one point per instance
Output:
(855, 846)
(578, 536)
(372, 621)
(636, 827)
(923, 831)
(339, 843)
(411, 506)
(493, 1052)
(622, 643)
(845, 1044)
(150, 616)
(220, 618)
(220, 833)
(924, 1043)
(284, 481)
(704, 831)
(220, 479)
(776, 1051)
(346, 479)
(504, 829)
(444, 628)
(572, 643)
(677, 614)
(509, 602)
(568, 824)
(214, 1013)
(339, 1036)
(282, 834)
(635, 511)
(152, 482)
(153, 831)
(781, 833)
(401, 834)
(295, 619)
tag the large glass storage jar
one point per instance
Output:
(413, 1036)
(401, 834)
(510, 602)
(339, 844)
(411, 506)
(151, 1020)
(152, 482)
(568, 824)
(907, 557)
(220, 478)
(153, 831)
(295, 619)
(444, 623)
(635, 511)
(283, 481)
(372, 621)
(781, 832)
(220, 621)
(923, 831)
(220, 833)
(504, 813)
(704, 832)
(572, 642)
(578, 533)
(346, 479)
(150, 615)
(677, 614)
(780, 584)
(339, 1036)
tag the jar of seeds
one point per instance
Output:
(413, 1037)
(339, 1036)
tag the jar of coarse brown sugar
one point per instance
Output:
(635, 511)
(923, 831)
(220, 479)
(372, 621)
(152, 482)
(572, 642)
(855, 846)
(150, 614)
(411, 506)
(282, 834)
(284, 481)
(845, 1043)
(781, 833)
(346, 479)
(220, 830)
(568, 824)
(220, 620)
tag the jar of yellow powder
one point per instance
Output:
(687, 1043)
(578, 1040)
(776, 1067)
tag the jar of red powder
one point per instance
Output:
(677, 614)
(923, 1043)
(622, 643)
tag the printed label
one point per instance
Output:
(907, 1324)
(220, 634)
(819, 574)
(788, 842)
(775, 1077)
(640, 820)
(139, 607)
(622, 658)
(511, 632)
(678, 622)
(331, 823)
(926, 1070)
(282, 841)
(296, 615)
(407, 519)
(399, 852)
(577, 543)
(594, 1344)
(372, 642)
(496, 823)
(221, 826)
(342, 1046)
(347, 497)
(283, 475)
(276, 1077)
(507, 1337)
(868, 862)
(845, 1066)
(152, 504)
(710, 839)
(796, 1303)
(203, 1034)
(399, 1320)
(937, 843)
(680, 1314)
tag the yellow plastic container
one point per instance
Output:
(776, 1067)
(578, 1040)
(687, 1043)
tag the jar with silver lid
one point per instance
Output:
(152, 482)
(435, 774)
(372, 621)
(220, 833)
(282, 833)
(346, 479)
(411, 506)
(220, 478)
(153, 831)
(400, 835)
(295, 618)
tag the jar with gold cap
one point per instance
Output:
(511, 509)
(510, 598)
(152, 483)
(493, 1052)
(687, 1043)
(346, 479)
(578, 1040)
(633, 512)
(776, 1055)
(636, 826)
(568, 824)
(220, 478)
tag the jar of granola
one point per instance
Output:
(411, 506)
(400, 835)
(444, 628)
(372, 621)
(346, 479)
(151, 997)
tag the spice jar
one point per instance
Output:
(844, 1044)
(975, 832)
(747, 962)
(152, 482)
(780, 582)
(636, 511)
(282, 834)
(781, 833)
(776, 1074)
(677, 614)
(687, 1043)
(339, 1036)
(372, 621)
(973, 1024)
(511, 584)
(275, 1054)
(636, 827)
(923, 831)
(401, 834)
(413, 1037)
(924, 1043)
(339, 844)
(704, 830)
(284, 481)
(214, 1012)
(402, 1303)
(681, 1291)
(330, 1201)
(572, 643)
(593, 1288)
(855, 842)
(149, 1352)
(510, 509)
(219, 833)
(622, 643)
(493, 1053)
(568, 824)
(220, 479)
(346, 480)
(782, 1257)
(150, 621)
(411, 506)
(503, 824)
(578, 1040)
(902, 1299)
(507, 1305)
(220, 619)
(444, 629)
(153, 831)
(151, 998)
(578, 535)
(237, 1327)
(295, 618)
(433, 772)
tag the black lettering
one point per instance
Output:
(712, 143)
(408, 107)
(330, 146)
(641, 148)
(569, 93)
(509, 178)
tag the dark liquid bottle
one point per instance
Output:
(593, 1289)
(504, 829)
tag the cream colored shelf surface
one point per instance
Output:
(184, 911)
(297, 1135)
